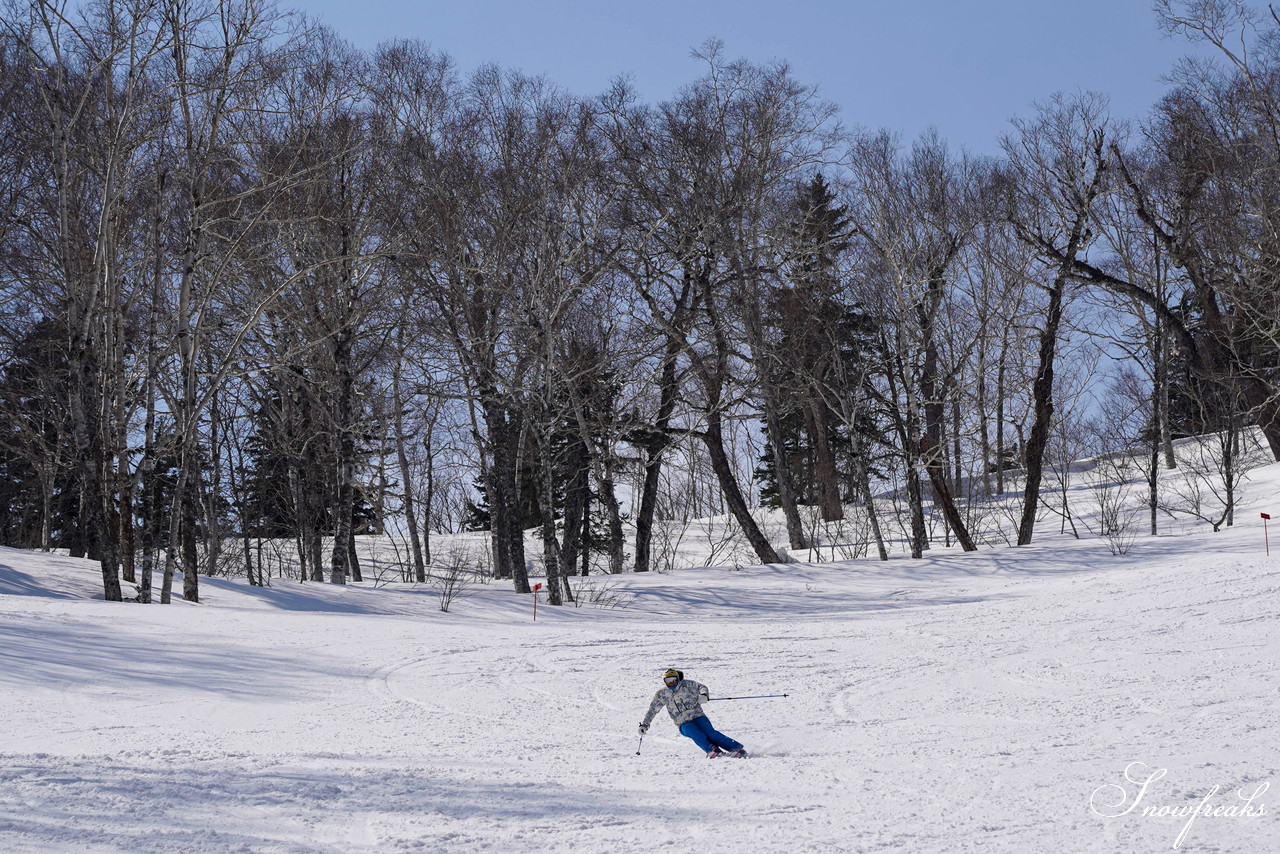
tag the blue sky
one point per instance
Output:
(964, 67)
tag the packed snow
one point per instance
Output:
(1049, 698)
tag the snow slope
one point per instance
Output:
(966, 702)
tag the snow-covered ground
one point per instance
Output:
(991, 701)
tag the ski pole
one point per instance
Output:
(638, 745)
(758, 697)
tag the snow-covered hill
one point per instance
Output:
(991, 701)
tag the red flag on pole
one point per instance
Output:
(536, 588)
(1265, 538)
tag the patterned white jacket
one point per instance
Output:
(683, 702)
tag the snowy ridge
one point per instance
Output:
(964, 702)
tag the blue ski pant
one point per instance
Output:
(705, 735)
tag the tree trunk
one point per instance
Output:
(85, 430)
(713, 438)
(1159, 429)
(46, 507)
(771, 405)
(782, 472)
(617, 538)
(1229, 450)
(588, 542)
(508, 539)
(931, 440)
(825, 473)
(942, 496)
(236, 460)
(212, 519)
(189, 526)
(171, 552)
(957, 478)
(182, 531)
(552, 559)
(648, 503)
(655, 445)
(150, 506)
(1000, 388)
(599, 458)
(1160, 396)
(123, 521)
(406, 479)
(497, 491)
(984, 423)
(353, 559)
(576, 504)
(1153, 482)
(864, 491)
(344, 500)
(915, 502)
(429, 492)
(1042, 402)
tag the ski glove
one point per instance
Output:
(644, 728)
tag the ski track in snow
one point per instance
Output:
(971, 706)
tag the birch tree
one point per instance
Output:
(1061, 164)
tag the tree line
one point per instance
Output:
(259, 285)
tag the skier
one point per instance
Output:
(683, 698)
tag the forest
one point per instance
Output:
(266, 293)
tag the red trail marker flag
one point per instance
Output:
(536, 588)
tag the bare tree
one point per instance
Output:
(91, 88)
(915, 216)
(727, 150)
(1059, 168)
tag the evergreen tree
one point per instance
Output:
(1200, 404)
(276, 455)
(823, 338)
(39, 499)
